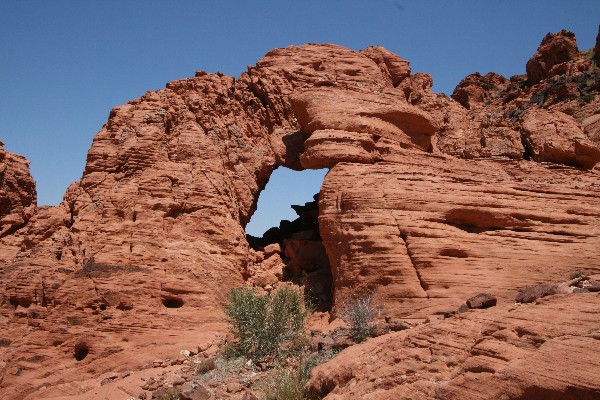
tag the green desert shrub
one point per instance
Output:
(575, 275)
(587, 97)
(360, 312)
(262, 322)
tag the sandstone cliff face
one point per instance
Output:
(134, 263)
(428, 232)
(17, 192)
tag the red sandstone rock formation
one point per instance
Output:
(510, 352)
(135, 262)
(556, 137)
(427, 232)
(553, 57)
(17, 192)
(559, 80)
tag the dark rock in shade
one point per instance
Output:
(581, 290)
(597, 47)
(462, 309)
(532, 293)
(449, 314)
(594, 286)
(188, 391)
(482, 300)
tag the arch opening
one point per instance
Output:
(285, 239)
(284, 188)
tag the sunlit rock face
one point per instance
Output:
(426, 232)
(17, 192)
(428, 199)
(504, 352)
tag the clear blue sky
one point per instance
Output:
(65, 64)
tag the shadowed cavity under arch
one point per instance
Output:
(284, 232)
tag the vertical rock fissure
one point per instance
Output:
(404, 238)
(527, 150)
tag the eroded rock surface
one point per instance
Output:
(556, 137)
(136, 261)
(430, 231)
(17, 192)
(531, 351)
(553, 56)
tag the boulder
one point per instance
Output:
(273, 248)
(556, 137)
(594, 286)
(481, 300)
(534, 292)
(396, 325)
(192, 391)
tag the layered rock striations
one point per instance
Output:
(427, 232)
(510, 352)
(428, 200)
(17, 192)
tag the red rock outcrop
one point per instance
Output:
(553, 56)
(534, 351)
(426, 232)
(143, 250)
(135, 262)
(559, 79)
(556, 137)
(17, 192)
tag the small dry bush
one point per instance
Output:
(287, 382)
(224, 369)
(205, 366)
(360, 312)
(170, 394)
(262, 322)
